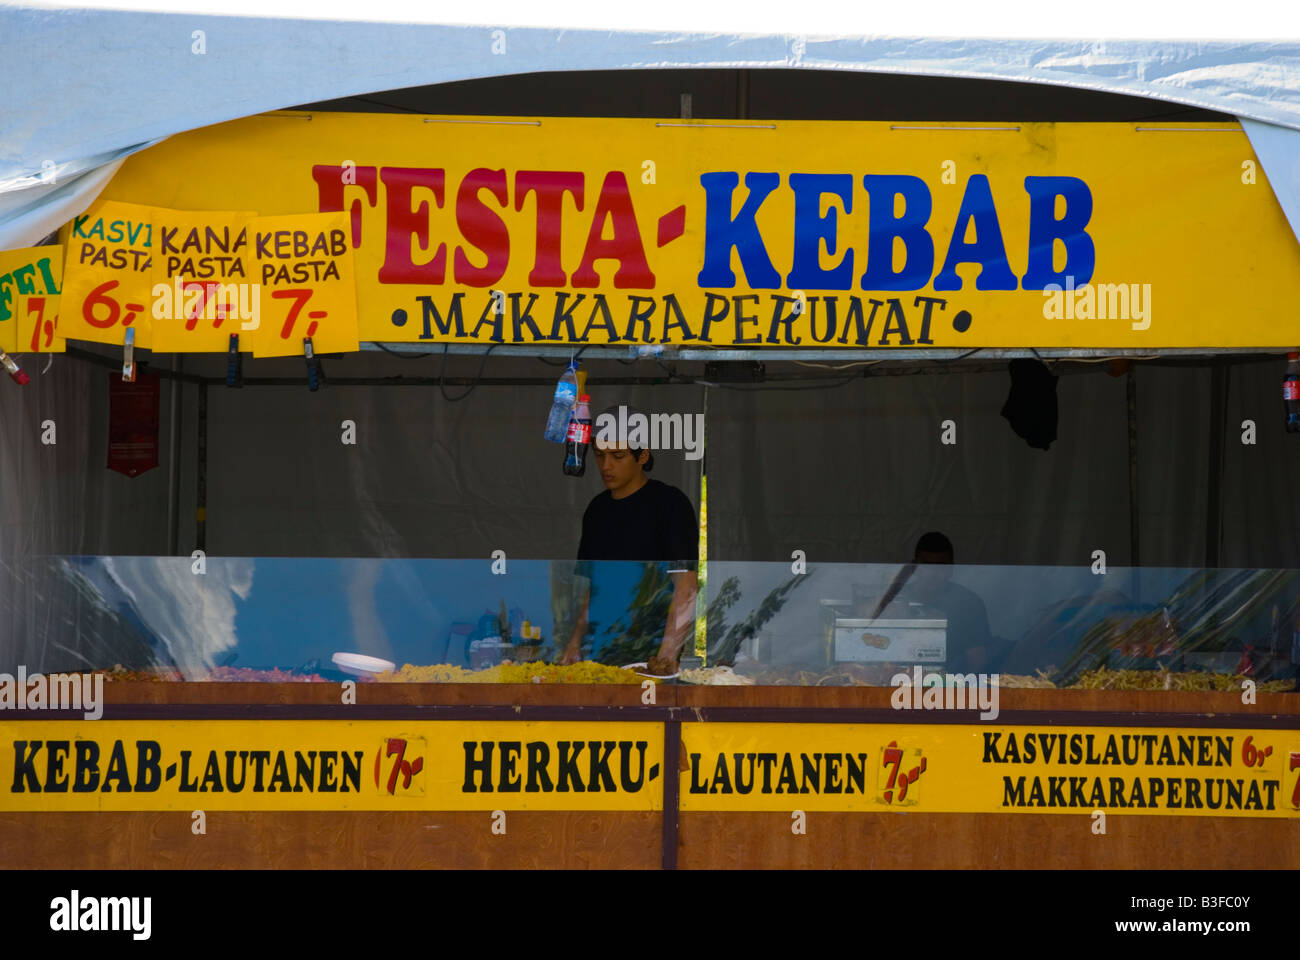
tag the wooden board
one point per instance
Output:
(329, 841)
(954, 841)
(634, 840)
(669, 695)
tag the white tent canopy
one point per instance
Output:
(84, 88)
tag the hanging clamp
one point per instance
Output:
(15, 372)
(315, 372)
(234, 363)
(128, 356)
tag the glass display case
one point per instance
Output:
(752, 623)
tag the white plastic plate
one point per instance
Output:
(359, 663)
(640, 670)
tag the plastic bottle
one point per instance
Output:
(1291, 392)
(577, 438)
(566, 392)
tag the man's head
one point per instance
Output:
(623, 468)
(934, 557)
(933, 547)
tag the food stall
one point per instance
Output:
(346, 658)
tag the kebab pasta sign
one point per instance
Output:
(785, 234)
(943, 768)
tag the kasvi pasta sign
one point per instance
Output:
(780, 235)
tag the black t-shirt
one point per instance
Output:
(655, 523)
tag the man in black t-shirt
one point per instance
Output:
(638, 518)
(928, 580)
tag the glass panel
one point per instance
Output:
(330, 619)
(1148, 627)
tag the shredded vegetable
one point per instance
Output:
(539, 672)
(1103, 679)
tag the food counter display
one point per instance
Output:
(755, 623)
(1130, 733)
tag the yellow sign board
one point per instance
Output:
(310, 765)
(200, 289)
(783, 234)
(956, 768)
(30, 284)
(725, 767)
(303, 266)
(107, 285)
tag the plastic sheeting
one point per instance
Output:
(81, 84)
(854, 473)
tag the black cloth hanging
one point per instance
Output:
(1031, 404)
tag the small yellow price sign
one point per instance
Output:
(107, 276)
(306, 272)
(201, 291)
(29, 299)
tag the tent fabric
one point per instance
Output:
(81, 84)
(1278, 149)
(848, 473)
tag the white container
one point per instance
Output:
(890, 641)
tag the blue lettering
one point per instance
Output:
(1045, 230)
(722, 233)
(884, 228)
(988, 250)
(811, 228)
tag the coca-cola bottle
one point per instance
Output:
(1291, 392)
(577, 437)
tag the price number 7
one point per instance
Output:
(299, 296)
(36, 307)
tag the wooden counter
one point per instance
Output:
(606, 839)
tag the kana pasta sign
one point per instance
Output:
(784, 234)
(309, 765)
(944, 768)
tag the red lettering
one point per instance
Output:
(615, 204)
(550, 187)
(483, 228)
(405, 222)
(329, 190)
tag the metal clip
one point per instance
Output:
(234, 363)
(128, 356)
(14, 371)
(315, 372)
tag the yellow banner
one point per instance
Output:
(30, 283)
(312, 765)
(784, 234)
(941, 768)
(739, 767)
